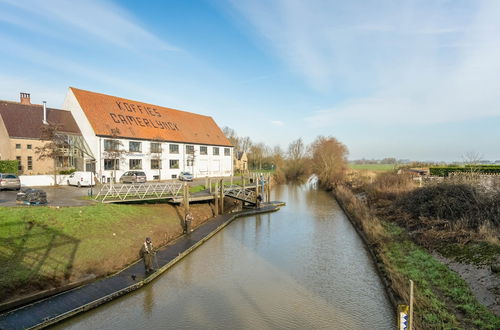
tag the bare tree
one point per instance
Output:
(329, 161)
(296, 164)
(55, 147)
(114, 150)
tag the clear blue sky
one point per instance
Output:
(407, 79)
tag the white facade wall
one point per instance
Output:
(197, 164)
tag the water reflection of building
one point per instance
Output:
(21, 133)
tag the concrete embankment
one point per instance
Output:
(61, 306)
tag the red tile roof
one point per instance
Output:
(137, 120)
(26, 120)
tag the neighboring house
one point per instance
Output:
(21, 126)
(241, 161)
(129, 135)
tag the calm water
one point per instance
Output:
(303, 267)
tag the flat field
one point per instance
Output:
(372, 167)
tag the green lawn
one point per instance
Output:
(372, 167)
(44, 246)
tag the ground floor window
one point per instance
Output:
(30, 163)
(174, 163)
(19, 165)
(227, 152)
(190, 162)
(155, 164)
(111, 164)
(135, 164)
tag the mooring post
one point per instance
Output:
(231, 179)
(210, 185)
(268, 188)
(410, 318)
(221, 200)
(216, 200)
(186, 198)
(206, 182)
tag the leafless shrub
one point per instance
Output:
(329, 161)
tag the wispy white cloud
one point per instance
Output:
(100, 20)
(393, 61)
(277, 123)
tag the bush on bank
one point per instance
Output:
(442, 299)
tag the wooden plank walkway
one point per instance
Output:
(56, 308)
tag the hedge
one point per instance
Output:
(446, 170)
(9, 166)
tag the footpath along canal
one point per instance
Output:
(302, 267)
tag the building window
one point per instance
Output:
(174, 163)
(111, 164)
(19, 165)
(134, 146)
(28, 146)
(18, 145)
(155, 148)
(227, 152)
(189, 150)
(30, 163)
(174, 148)
(155, 164)
(135, 164)
(190, 162)
(216, 151)
(111, 145)
(203, 150)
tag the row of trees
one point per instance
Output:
(325, 157)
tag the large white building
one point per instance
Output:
(125, 135)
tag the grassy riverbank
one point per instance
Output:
(442, 299)
(46, 247)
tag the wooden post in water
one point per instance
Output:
(269, 188)
(410, 317)
(210, 185)
(231, 179)
(221, 208)
(206, 182)
(216, 200)
(186, 198)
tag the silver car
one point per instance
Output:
(133, 177)
(9, 181)
(185, 176)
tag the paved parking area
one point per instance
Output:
(72, 196)
(56, 196)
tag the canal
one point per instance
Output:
(303, 267)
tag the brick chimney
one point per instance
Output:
(25, 98)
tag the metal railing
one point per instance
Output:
(246, 194)
(142, 191)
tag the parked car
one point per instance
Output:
(185, 176)
(133, 177)
(9, 181)
(81, 179)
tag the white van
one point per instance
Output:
(81, 179)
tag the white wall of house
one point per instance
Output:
(203, 162)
